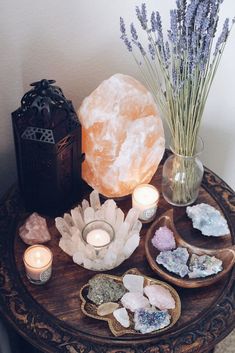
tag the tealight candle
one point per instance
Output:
(145, 198)
(98, 238)
(98, 234)
(38, 262)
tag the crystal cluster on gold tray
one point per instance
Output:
(196, 267)
(99, 237)
(132, 303)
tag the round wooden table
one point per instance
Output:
(50, 318)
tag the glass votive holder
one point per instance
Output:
(99, 234)
(38, 263)
(145, 198)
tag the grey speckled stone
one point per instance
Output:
(203, 266)
(175, 261)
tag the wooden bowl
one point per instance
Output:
(226, 255)
(90, 309)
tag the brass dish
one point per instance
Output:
(226, 255)
(90, 309)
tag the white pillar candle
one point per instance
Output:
(38, 263)
(98, 238)
(145, 198)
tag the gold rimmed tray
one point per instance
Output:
(226, 255)
(90, 309)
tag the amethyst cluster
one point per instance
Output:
(164, 239)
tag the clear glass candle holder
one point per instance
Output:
(145, 198)
(98, 234)
(38, 263)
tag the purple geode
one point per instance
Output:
(164, 239)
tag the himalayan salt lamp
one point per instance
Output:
(123, 137)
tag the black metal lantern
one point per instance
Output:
(47, 137)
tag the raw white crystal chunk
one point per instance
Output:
(131, 245)
(95, 200)
(208, 220)
(134, 301)
(203, 266)
(121, 315)
(133, 283)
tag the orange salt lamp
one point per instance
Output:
(123, 136)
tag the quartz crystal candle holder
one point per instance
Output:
(126, 233)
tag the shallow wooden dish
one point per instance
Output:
(90, 309)
(226, 255)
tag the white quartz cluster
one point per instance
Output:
(126, 240)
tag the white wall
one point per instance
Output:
(77, 43)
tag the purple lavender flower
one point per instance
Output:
(199, 18)
(168, 53)
(223, 36)
(141, 48)
(214, 18)
(187, 53)
(205, 54)
(139, 45)
(124, 35)
(205, 26)
(122, 26)
(173, 33)
(152, 51)
(194, 41)
(142, 15)
(153, 22)
(190, 13)
(128, 44)
(181, 9)
(134, 32)
(159, 26)
(160, 39)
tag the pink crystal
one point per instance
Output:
(159, 297)
(164, 239)
(34, 230)
(134, 301)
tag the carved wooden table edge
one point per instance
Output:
(53, 336)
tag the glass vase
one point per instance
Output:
(181, 177)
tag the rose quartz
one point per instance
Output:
(123, 136)
(34, 230)
(134, 301)
(164, 239)
(159, 297)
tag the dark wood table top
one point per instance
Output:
(49, 316)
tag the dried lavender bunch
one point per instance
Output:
(179, 67)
